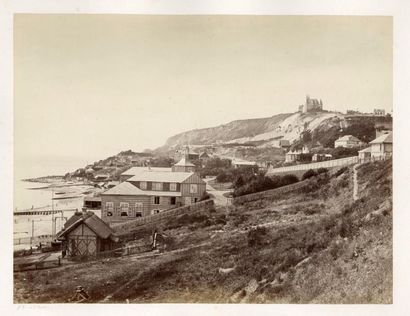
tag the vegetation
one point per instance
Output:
(261, 183)
(291, 248)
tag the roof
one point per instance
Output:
(124, 188)
(348, 137)
(383, 139)
(92, 221)
(161, 176)
(368, 149)
(92, 198)
(127, 188)
(243, 162)
(185, 163)
(284, 142)
(134, 170)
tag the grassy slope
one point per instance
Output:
(316, 247)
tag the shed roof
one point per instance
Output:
(92, 221)
(383, 139)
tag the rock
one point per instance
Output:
(225, 271)
(252, 286)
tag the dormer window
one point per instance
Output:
(143, 185)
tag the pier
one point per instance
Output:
(42, 212)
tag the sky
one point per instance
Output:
(90, 86)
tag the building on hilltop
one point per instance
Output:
(311, 105)
(146, 191)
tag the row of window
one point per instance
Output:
(158, 186)
(109, 206)
(127, 213)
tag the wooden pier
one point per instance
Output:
(42, 212)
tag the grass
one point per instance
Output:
(310, 246)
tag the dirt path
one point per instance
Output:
(355, 184)
(219, 198)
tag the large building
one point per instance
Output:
(311, 105)
(145, 191)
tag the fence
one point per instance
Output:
(316, 165)
(36, 265)
(127, 227)
(33, 240)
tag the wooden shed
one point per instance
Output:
(85, 234)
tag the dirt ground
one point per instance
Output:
(311, 246)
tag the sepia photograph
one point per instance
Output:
(218, 159)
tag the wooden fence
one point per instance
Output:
(315, 165)
(129, 226)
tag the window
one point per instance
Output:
(138, 214)
(172, 186)
(156, 199)
(109, 206)
(143, 185)
(109, 214)
(173, 200)
(124, 206)
(195, 200)
(155, 212)
(124, 213)
(193, 188)
(156, 186)
(138, 206)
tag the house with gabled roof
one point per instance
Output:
(348, 141)
(146, 191)
(382, 146)
(85, 234)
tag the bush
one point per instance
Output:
(341, 171)
(322, 170)
(257, 237)
(288, 179)
(308, 174)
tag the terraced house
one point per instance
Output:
(145, 191)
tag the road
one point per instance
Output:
(219, 198)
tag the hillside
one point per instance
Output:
(309, 245)
(226, 132)
(257, 131)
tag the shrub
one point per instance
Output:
(322, 170)
(288, 179)
(308, 174)
(341, 171)
(257, 237)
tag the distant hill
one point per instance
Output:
(259, 131)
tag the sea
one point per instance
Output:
(30, 195)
